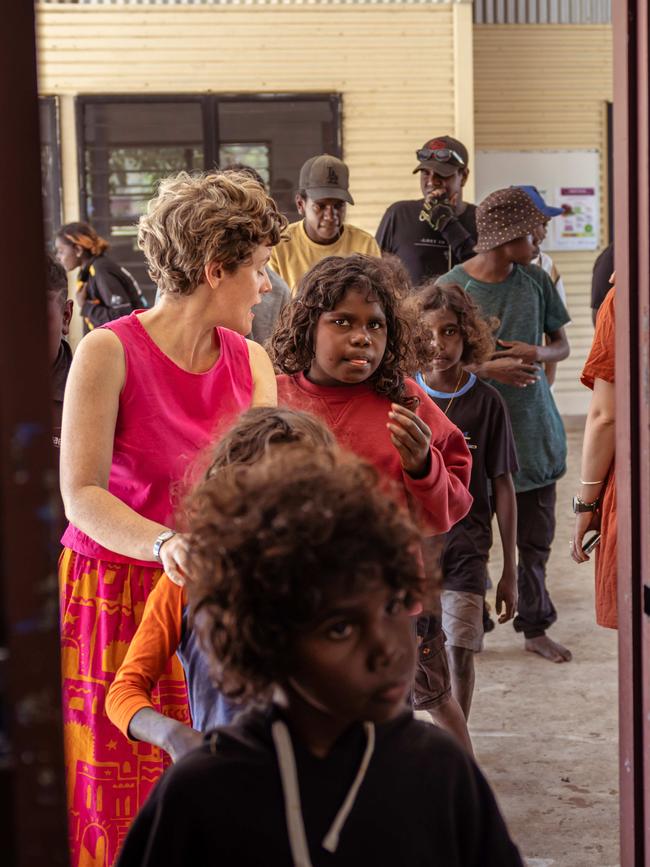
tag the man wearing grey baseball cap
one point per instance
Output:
(322, 199)
(432, 234)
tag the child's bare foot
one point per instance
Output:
(548, 648)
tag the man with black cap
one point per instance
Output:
(432, 234)
(323, 194)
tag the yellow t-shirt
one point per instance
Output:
(295, 256)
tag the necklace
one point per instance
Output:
(453, 397)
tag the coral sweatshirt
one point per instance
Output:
(357, 416)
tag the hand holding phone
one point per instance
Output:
(590, 543)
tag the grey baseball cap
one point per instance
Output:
(326, 177)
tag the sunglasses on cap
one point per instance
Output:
(443, 155)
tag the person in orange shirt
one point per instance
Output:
(595, 502)
(164, 629)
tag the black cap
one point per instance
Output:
(326, 177)
(453, 156)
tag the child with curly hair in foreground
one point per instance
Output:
(304, 577)
(165, 630)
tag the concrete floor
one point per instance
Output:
(545, 734)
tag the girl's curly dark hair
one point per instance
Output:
(262, 427)
(273, 542)
(321, 289)
(476, 330)
(249, 439)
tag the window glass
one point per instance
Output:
(50, 168)
(128, 148)
(292, 130)
(128, 144)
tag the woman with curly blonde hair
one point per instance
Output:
(146, 393)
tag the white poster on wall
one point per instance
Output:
(562, 177)
(578, 228)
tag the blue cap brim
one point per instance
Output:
(548, 211)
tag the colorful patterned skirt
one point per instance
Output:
(108, 777)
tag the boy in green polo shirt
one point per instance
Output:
(322, 199)
(522, 297)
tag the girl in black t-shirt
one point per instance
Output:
(105, 290)
(461, 338)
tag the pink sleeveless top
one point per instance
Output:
(166, 417)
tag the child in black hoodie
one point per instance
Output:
(304, 579)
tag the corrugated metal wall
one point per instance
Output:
(542, 11)
(485, 11)
(395, 95)
(546, 87)
(243, 2)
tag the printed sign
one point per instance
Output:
(578, 228)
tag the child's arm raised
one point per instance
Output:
(412, 439)
(441, 486)
(505, 503)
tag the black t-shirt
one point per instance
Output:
(603, 270)
(111, 291)
(479, 412)
(423, 802)
(60, 370)
(425, 252)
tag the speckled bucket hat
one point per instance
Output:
(503, 216)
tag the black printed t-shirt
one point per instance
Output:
(60, 370)
(423, 803)
(111, 291)
(425, 252)
(479, 412)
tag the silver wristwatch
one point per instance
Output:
(579, 505)
(160, 541)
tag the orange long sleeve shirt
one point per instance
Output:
(149, 655)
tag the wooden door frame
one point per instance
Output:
(632, 261)
(32, 790)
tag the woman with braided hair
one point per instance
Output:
(105, 290)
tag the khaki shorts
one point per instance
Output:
(432, 681)
(462, 619)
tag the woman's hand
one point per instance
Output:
(412, 439)
(584, 522)
(175, 557)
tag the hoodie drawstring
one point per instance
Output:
(291, 791)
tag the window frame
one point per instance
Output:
(54, 130)
(209, 103)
